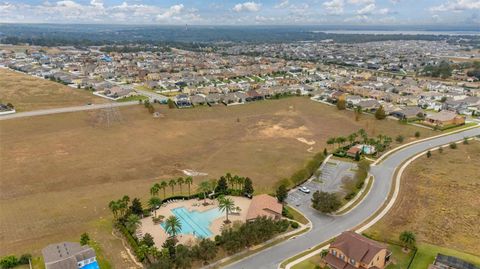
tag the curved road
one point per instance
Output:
(326, 227)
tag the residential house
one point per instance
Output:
(408, 113)
(69, 255)
(182, 101)
(198, 99)
(351, 250)
(264, 205)
(444, 118)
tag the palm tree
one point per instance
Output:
(180, 182)
(113, 205)
(189, 181)
(154, 189)
(205, 187)
(163, 185)
(226, 205)
(229, 179)
(154, 202)
(133, 221)
(126, 199)
(340, 140)
(172, 184)
(235, 181)
(173, 226)
(241, 182)
(122, 206)
(407, 238)
(351, 138)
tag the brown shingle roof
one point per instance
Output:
(264, 205)
(357, 247)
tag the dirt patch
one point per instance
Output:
(439, 200)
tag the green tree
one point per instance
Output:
(84, 239)
(226, 205)
(325, 202)
(173, 226)
(282, 193)
(183, 257)
(400, 139)
(136, 207)
(222, 185)
(172, 184)
(205, 187)
(417, 134)
(163, 186)
(154, 203)
(132, 223)
(331, 141)
(380, 113)
(429, 154)
(180, 182)
(248, 186)
(148, 240)
(9, 262)
(206, 250)
(453, 145)
(408, 239)
(114, 207)
(155, 189)
(189, 181)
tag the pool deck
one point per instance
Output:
(159, 234)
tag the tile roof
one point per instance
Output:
(264, 205)
(357, 247)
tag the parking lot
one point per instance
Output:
(330, 180)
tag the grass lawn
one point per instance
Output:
(132, 98)
(28, 93)
(426, 255)
(438, 201)
(308, 263)
(297, 216)
(86, 159)
(399, 258)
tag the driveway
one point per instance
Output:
(326, 227)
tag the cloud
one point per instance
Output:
(457, 5)
(363, 2)
(334, 7)
(282, 4)
(372, 9)
(247, 6)
(171, 12)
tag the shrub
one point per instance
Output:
(400, 139)
(286, 213)
(325, 202)
(453, 145)
(417, 134)
(294, 224)
(9, 262)
(350, 195)
(429, 154)
(24, 259)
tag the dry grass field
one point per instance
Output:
(60, 171)
(439, 201)
(27, 93)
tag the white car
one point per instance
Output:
(304, 189)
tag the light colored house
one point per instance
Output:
(351, 250)
(444, 118)
(69, 255)
(264, 205)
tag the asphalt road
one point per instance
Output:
(65, 110)
(326, 227)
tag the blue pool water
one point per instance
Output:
(195, 222)
(93, 265)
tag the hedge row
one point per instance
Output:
(306, 172)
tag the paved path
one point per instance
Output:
(326, 227)
(65, 110)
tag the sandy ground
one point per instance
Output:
(159, 234)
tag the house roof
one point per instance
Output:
(443, 115)
(357, 247)
(65, 255)
(264, 205)
(453, 262)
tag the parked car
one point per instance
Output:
(304, 189)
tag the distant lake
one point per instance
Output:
(399, 32)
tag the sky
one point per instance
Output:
(244, 12)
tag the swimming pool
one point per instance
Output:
(93, 265)
(196, 222)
